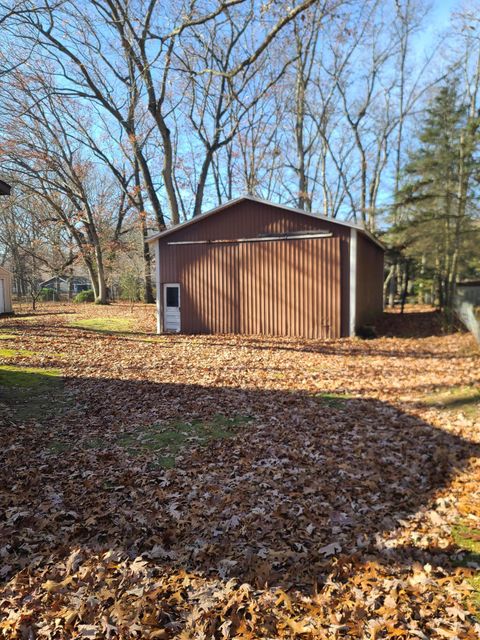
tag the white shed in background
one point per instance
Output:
(5, 291)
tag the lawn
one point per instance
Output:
(105, 324)
(236, 487)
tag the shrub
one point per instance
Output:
(85, 296)
(46, 295)
(130, 287)
(366, 332)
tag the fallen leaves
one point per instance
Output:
(331, 549)
(320, 506)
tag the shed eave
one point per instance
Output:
(230, 203)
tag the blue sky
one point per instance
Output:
(439, 19)
(441, 10)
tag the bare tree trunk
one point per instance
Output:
(393, 285)
(102, 297)
(388, 281)
(147, 266)
(421, 292)
(406, 281)
(93, 277)
(197, 210)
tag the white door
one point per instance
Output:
(2, 295)
(171, 307)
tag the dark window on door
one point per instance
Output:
(172, 296)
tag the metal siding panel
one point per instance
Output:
(267, 296)
(318, 308)
(216, 258)
(247, 292)
(282, 290)
(303, 289)
(304, 298)
(369, 289)
(288, 288)
(276, 310)
(209, 296)
(345, 284)
(328, 292)
(333, 302)
(261, 291)
(255, 284)
(230, 283)
(196, 316)
(241, 294)
(221, 298)
(339, 290)
(323, 311)
(293, 280)
(315, 304)
(218, 289)
(226, 292)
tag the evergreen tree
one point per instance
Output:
(435, 207)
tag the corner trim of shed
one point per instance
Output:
(158, 287)
(353, 282)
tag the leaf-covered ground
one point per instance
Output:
(236, 487)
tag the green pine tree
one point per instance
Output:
(434, 208)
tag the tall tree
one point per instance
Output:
(40, 145)
(436, 199)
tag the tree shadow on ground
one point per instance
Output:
(295, 480)
(37, 314)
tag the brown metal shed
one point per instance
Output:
(254, 267)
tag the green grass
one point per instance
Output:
(166, 441)
(28, 377)
(460, 399)
(31, 392)
(7, 336)
(467, 538)
(334, 400)
(475, 582)
(105, 325)
(13, 353)
(25, 353)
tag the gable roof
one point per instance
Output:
(231, 203)
(66, 279)
(61, 278)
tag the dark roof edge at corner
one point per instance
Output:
(230, 203)
(5, 188)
